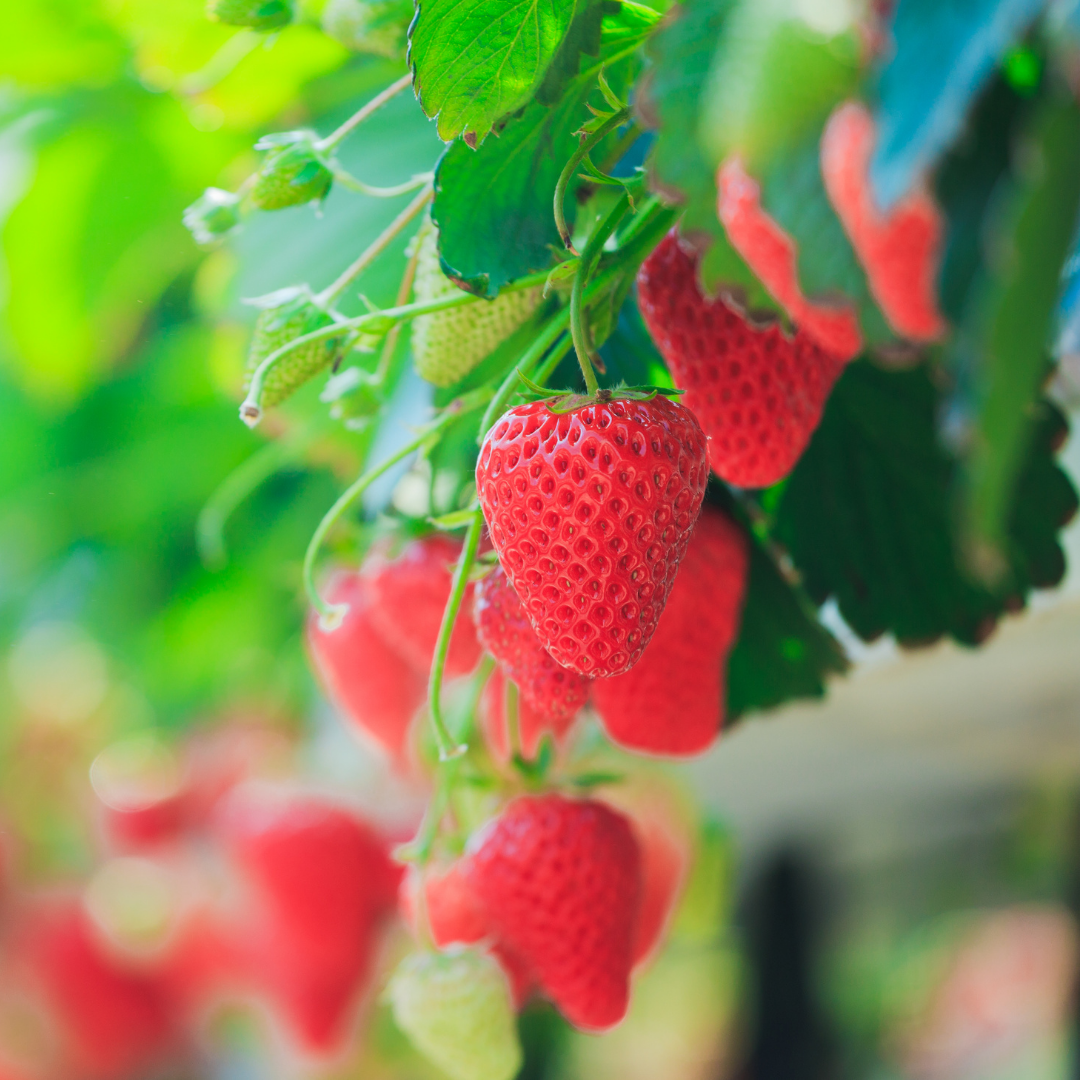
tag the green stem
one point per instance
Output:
(358, 117)
(448, 749)
(386, 357)
(570, 168)
(346, 179)
(375, 249)
(241, 482)
(374, 322)
(224, 62)
(588, 260)
(330, 615)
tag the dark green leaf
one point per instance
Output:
(867, 515)
(493, 206)
(783, 651)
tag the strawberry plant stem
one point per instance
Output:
(346, 179)
(570, 168)
(361, 114)
(448, 748)
(588, 260)
(513, 718)
(331, 615)
(375, 249)
(404, 288)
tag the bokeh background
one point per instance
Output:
(888, 882)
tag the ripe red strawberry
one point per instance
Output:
(758, 394)
(408, 596)
(321, 882)
(899, 250)
(550, 690)
(590, 511)
(772, 255)
(561, 882)
(672, 701)
(115, 1018)
(532, 725)
(456, 917)
(368, 681)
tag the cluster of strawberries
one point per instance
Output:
(215, 888)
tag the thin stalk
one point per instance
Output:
(418, 850)
(547, 368)
(222, 63)
(404, 289)
(570, 168)
(237, 486)
(376, 248)
(372, 322)
(353, 184)
(361, 114)
(577, 294)
(448, 749)
(626, 140)
(513, 718)
(330, 615)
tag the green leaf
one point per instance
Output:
(679, 168)
(1015, 325)
(783, 651)
(867, 515)
(493, 206)
(476, 61)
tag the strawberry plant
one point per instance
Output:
(597, 346)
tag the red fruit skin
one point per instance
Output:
(590, 512)
(773, 257)
(672, 701)
(532, 726)
(561, 883)
(322, 883)
(758, 394)
(408, 596)
(455, 916)
(367, 680)
(555, 693)
(115, 1018)
(900, 250)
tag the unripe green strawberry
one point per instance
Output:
(292, 173)
(258, 14)
(212, 216)
(449, 344)
(286, 315)
(456, 1008)
(378, 27)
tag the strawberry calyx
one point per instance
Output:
(565, 401)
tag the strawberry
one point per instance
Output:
(672, 702)
(447, 345)
(293, 172)
(376, 27)
(549, 690)
(408, 595)
(286, 315)
(456, 917)
(590, 511)
(258, 14)
(772, 256)
(144, 790)
(758, 393)
(368, 681)
(900, 250)
(321, 883)
(455, 1007)
(560, 880)
(115, 1017)
(212, 216)
(532, 725)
